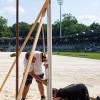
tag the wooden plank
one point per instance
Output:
(27, 38)
(30, 58)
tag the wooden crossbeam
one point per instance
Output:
(27, 38)
(30, 58)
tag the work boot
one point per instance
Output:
(43, 98)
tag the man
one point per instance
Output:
(71, 92)
(36, 71)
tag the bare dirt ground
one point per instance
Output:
(65, 71)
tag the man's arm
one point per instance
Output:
(46, 65)
(38, 78)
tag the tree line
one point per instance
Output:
(70, 26)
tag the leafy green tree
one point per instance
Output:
(94, 26)
(4, 29)
(70, 25)
(45, 30)
(56, 29)
(13, 30)
(78, 28)
(23, 29)
(67, 21)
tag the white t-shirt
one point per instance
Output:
(37, 66)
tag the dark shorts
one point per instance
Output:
(30, 78)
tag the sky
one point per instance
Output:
(86, 11)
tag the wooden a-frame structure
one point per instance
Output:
(46, 6)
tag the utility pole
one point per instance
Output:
(60, 2)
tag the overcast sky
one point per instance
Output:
(86, 11)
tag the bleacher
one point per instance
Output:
(83, 42)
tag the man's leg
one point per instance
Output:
(25, 91)
(27, 85)
(41, 87)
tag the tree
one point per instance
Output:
(4, 29)
(67, 21)
(56, 29)
(78, 28)
(23, 29)
(70, 25)
(94, 26)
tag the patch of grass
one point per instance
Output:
(79, 54)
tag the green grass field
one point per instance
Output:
(79, 54)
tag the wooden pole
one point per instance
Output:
(28, 36)
(30, 58)
(17, 45)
